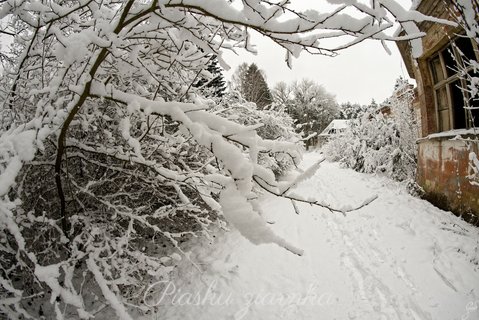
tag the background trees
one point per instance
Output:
(281, 94)
(109, 154)
(309, 104)
(350, 111)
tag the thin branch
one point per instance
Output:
(258, 180)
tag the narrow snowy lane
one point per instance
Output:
(397, 258)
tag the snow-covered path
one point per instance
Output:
(398, 258)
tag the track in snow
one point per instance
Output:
(397, 258)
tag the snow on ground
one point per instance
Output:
(398, 258)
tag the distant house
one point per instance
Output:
(336, 126)
(448, 149)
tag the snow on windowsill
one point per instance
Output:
(457, 134)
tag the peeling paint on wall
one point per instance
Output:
(449, 169)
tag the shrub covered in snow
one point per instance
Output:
(381, 143)
(272, 124)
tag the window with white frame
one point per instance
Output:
(452, 101)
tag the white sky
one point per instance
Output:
(357, 74)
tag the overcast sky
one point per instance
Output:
(358, 74)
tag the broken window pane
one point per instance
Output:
(465, 47)
(448, 70)
(457, 97)
(449, 61)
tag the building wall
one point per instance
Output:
(443, 172)
(443, 163)
(437, 37)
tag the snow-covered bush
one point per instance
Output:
(271, 124)
(381, 143)
(106, 153)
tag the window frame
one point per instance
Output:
(447, 82)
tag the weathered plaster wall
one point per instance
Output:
(443, 169)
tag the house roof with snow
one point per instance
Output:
(336, 125)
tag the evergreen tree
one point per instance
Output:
(254, 87)
(215, 85)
